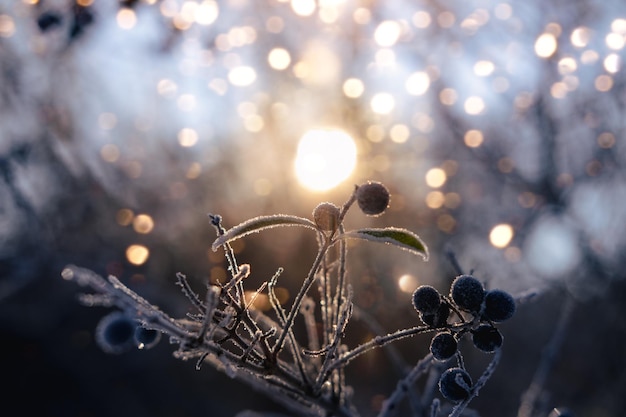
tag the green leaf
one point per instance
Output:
(261, 223)
(402, 238)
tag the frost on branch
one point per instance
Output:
(306, 376)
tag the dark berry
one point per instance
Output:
(326, 216)
(499, 305)
(372, 198)
(487, 338)
(49, 20)
(443, 346)
(468, 293)
(115, 332)
(426, 299)
(438, 319)
(146, 338)
(455, 384)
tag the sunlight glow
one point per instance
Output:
(325, 158)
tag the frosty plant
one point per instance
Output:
(307, 377)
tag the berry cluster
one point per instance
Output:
(477, 311)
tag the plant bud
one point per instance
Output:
(326, 217)
(372, 198)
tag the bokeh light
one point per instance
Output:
(501, 235)
(325, 158)
(137, 254)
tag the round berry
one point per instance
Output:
(468, 293)
(115, 332)
(146, 338)
(455, 384)
(487, 338)
(426, 299)
(372, 198)
(326, 216)
(499, 305)
(437, 319)
(443, 346)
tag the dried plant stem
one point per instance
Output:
(529, 398)
(404, 385)
(376, 342)
(295, 308)
(458, 409)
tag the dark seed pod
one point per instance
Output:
(115, 332)
(487, 338)
(438, 319)
(326, 216)
(468, 293)
(443, 346)
(372, 198)
(499, 305)
(146, 338)
(426, 299)
(455, 384)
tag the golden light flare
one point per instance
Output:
(474, 105)
(353, 88)
(417, 83)
(448, 96)
(484, 68)
(319, 64)
(612, 63)
(421, 19)
(7, 26)
(206, 12)
(124, 217)
(580, 37)
(615, 41)
(399, 133)
(325, 158)
(387, 33)
(303, 7)
(143, 224)
(126, 18)
(382, 103)
(546, 45)
(501, 235)
(603, 83)
(473, 138)
(279, 59)
(187, 137)
(407, 283)
(436, 177)
(110, 153)
(137, 254)
(242, 76)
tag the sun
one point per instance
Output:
(325, 158)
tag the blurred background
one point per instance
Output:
(497, 125)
